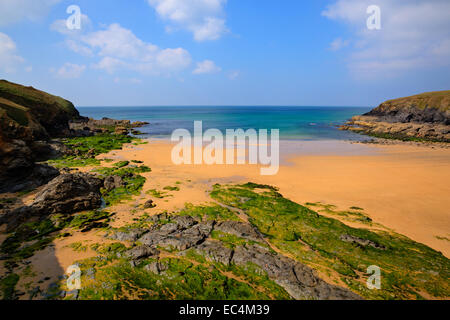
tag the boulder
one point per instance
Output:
(70, 193)
(149, 204)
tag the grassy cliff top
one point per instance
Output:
(22, 104)
(436, 99)
(30, 97)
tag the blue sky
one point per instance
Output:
(226, 52)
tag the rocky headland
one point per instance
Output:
(32, 122)
(423, 117)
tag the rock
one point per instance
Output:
(157, 218)
(68, 193)
(121, 131)
(299, 280)
(361, 242)
(239, 229)
(157, 267)
(215, 251)
(141, 252)
(149, 204)
(131, 235)
(39, 175)
(175, 236)
(113, 182)
(138, 124)
(184, 222)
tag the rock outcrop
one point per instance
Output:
(423, 117)
(87, 126)
(184, 233)
(66, 194)
(28, 119)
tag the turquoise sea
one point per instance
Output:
(294, 123)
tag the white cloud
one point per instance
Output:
(9, 59)
(61, 26)
(203, 18)
(119, 49)
(414, 35)
(205, 67)
(12, 11)
(70, 71)
(338, 44)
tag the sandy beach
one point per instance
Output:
(402, 187)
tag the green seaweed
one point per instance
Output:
(408, 268)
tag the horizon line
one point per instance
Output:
(188, 106)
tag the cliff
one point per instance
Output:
(430, 107)
(424, 117)
(28, 119)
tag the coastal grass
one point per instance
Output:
(409, 269)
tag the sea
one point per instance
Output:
(295, 123)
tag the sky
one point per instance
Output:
(226, 52)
